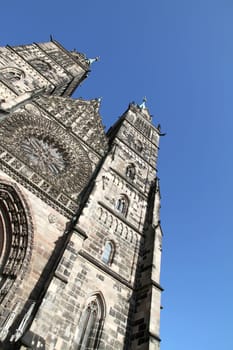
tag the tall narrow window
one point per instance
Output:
(130, 172)
(90, 316)
(91, 324)
(122, 204)
(108, 252)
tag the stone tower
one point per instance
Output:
(80, 235)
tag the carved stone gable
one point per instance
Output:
(82, 117)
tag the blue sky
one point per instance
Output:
(179, 53)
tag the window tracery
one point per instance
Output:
(47, 149)
(44, 153)
(122, 204)
(91, 324)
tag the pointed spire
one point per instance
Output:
(143, 104)
(99, 99)
(97, 102)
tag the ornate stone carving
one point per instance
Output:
(81, 117)
(5, 92)
(53, 219)
(44, 154)
(16, 239)
(32, 109)
(48, 149)
(11, 74)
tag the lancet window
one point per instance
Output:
(91, 324)
(122, 205)
(108, 252)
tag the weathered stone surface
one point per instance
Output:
(79, 116)
(80, 238)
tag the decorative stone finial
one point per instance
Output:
(91, 60)
(99, 99)
(143, 104)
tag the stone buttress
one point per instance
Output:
(80, 235)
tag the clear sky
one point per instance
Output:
(179, 53)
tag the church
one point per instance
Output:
(80, 234)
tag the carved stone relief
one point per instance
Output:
(37, 185)
(30, 78)
(48, 149)
(11, 74)
(81, 117)
(53, 219)
(5, 92)
(32, 109)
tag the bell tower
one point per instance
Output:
(80, 227)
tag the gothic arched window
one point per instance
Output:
(130, 172)
(91, 324)
(122, 204)
(138, 146)
(108, 252)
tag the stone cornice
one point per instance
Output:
(70, 55)
(80, 232)
(156, 285)
(114, 274)
(52, 59)
(155, 336)
(105, 269)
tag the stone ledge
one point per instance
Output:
(106, 269)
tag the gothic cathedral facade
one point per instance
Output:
(80, 235)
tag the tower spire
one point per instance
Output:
(143, 104)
